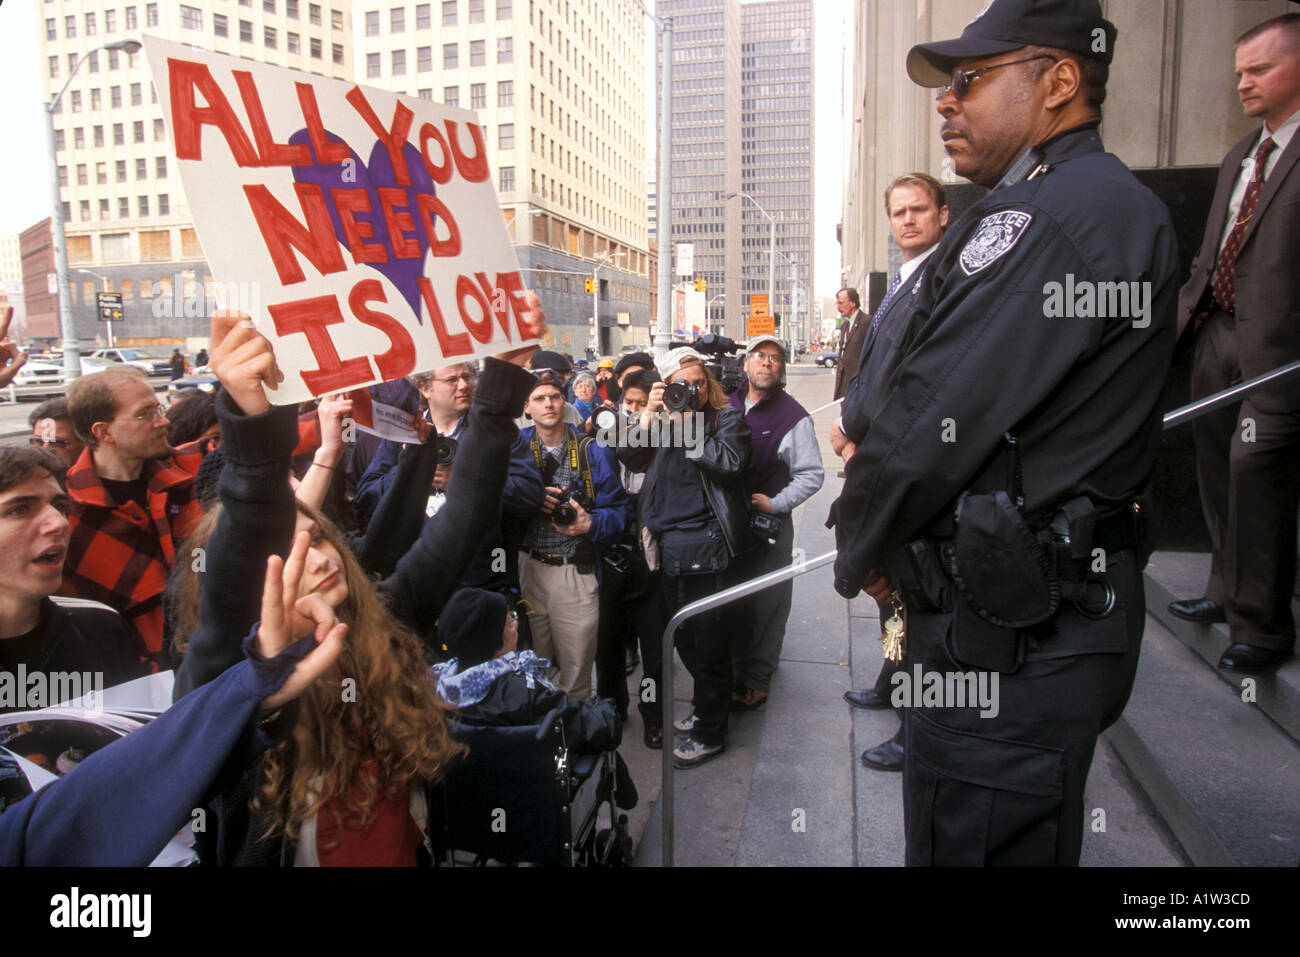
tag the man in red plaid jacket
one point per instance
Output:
(132, 500)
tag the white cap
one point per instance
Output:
(673, 361)
(757, 341)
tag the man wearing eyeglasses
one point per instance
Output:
(131, 500)
(787, 472)
(1242, 305)
(998, 488)
(52, 429)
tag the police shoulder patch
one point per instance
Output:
(993, 239)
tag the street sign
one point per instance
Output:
(685, 259)
(758, 304)
(760, 326)
(110, 306)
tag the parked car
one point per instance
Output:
(150, 364)
(828, 359)
(36, 375)
(200, 378)
(97, 363)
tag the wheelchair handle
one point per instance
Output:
(548, 722)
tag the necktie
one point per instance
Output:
(1225, 276)
(884, 303)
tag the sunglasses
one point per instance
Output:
(962, 79)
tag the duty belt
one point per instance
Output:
(554, 560)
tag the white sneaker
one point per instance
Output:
(685, 725)
(691, 752)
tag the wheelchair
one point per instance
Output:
(520, 796)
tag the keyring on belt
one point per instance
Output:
(1108, 605)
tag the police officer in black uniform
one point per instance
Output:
(999, 489)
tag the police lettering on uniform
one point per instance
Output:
(999, 487)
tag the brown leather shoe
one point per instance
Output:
(747, 699)
(654, 737)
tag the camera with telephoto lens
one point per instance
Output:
(445, 450)
(605, 419)
(726, 364)
(680, 396)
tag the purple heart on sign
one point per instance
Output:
(377, 174)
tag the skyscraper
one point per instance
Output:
(127, 222)
(742, 123)
(559, 86)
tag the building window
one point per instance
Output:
(245, 31)
(51, 29)
(425, 94)
(313, 14)
(119, 134)
(292, 42)
(450, 56)
(137, 131)
(142, 204)
(372, 64)
(477, 50)
(90, 24)
(159, 133)
(141, 169)
(291, 9)
(101, 174)
(505, 49)
(82, 177)
(423, 16)
(110, 21)
(506, 93)
(97, 135)
(477, 96)
(54, 67)
(119, 170)
(164, 205)
(79, 138)
(160, 167)
(506, 136)
(337, 53)
(113, 62)
(103, 209)
(372, 23)
(507, 181)
(97, 100)
(131, 21)
(92, 61)
(114, 96)
(70, 28)
(315, 48)
(123, 208)
(451, 95)
(423, 59)
(220, 25)
(268, 6)
(75, 101)
(191, 18)
(336, 19)
(448, 13)
(268, 37)
(399, 63)
(476, 11)
(505, 9)
(151, 14)
(397, 20)
(85, 210)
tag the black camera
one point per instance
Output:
(445, 450)
(565, 514)
(605, 419)
(765, 526)
(680, 396)
(725, 363)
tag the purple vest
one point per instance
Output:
(769, 421)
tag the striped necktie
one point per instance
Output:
(884, 303)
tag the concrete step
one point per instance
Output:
(1175, 576)
(1220, 773)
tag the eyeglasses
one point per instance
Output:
(151, 413)
(767, 358)
(39, 443)
(962, 79)
(466, 377)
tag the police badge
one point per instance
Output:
(993, 238)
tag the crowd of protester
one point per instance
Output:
(513, 564)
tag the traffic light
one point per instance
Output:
(700, 285)
(591, 285)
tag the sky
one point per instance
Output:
(23, 156)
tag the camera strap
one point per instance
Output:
(576, 451)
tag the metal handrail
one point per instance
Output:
(1179, 416)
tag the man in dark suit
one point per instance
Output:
(853, 332)
(1242, 304)
(918, 213)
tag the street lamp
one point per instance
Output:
(71, 351)
(771, 247)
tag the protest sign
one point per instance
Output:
(366, 221)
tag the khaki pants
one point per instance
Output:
(565, 613)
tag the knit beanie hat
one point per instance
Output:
(471, 625)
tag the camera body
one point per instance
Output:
(565, 514)
(765, 526)
(445, 449)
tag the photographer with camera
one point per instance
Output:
(695, 502)
(584, 506)
(787, 472)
